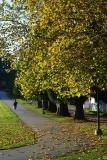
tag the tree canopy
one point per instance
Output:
(64, 49)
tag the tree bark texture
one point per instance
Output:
(79, 112)
(52, 107)
(62, 109)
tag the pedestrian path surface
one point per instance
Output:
(49, 142)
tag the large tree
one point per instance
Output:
(67, 52)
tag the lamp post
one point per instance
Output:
(98, 131)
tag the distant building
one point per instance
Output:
(92, 105)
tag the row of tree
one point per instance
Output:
(62, 55)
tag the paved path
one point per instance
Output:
(51, 140)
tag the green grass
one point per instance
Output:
(99, 153)
(95, 154)
(94, 113)
(98, 149)
(13, 133)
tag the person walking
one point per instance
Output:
(15, 104)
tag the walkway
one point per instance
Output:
(51, 140)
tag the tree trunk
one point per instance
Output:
(45, 100)
(52, 101)
(39, 102)
(45, 103)
(79, 113)
(62, 109)
(52, 107)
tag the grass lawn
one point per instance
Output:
(97, 153)
(98, 149)
(13, 133)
